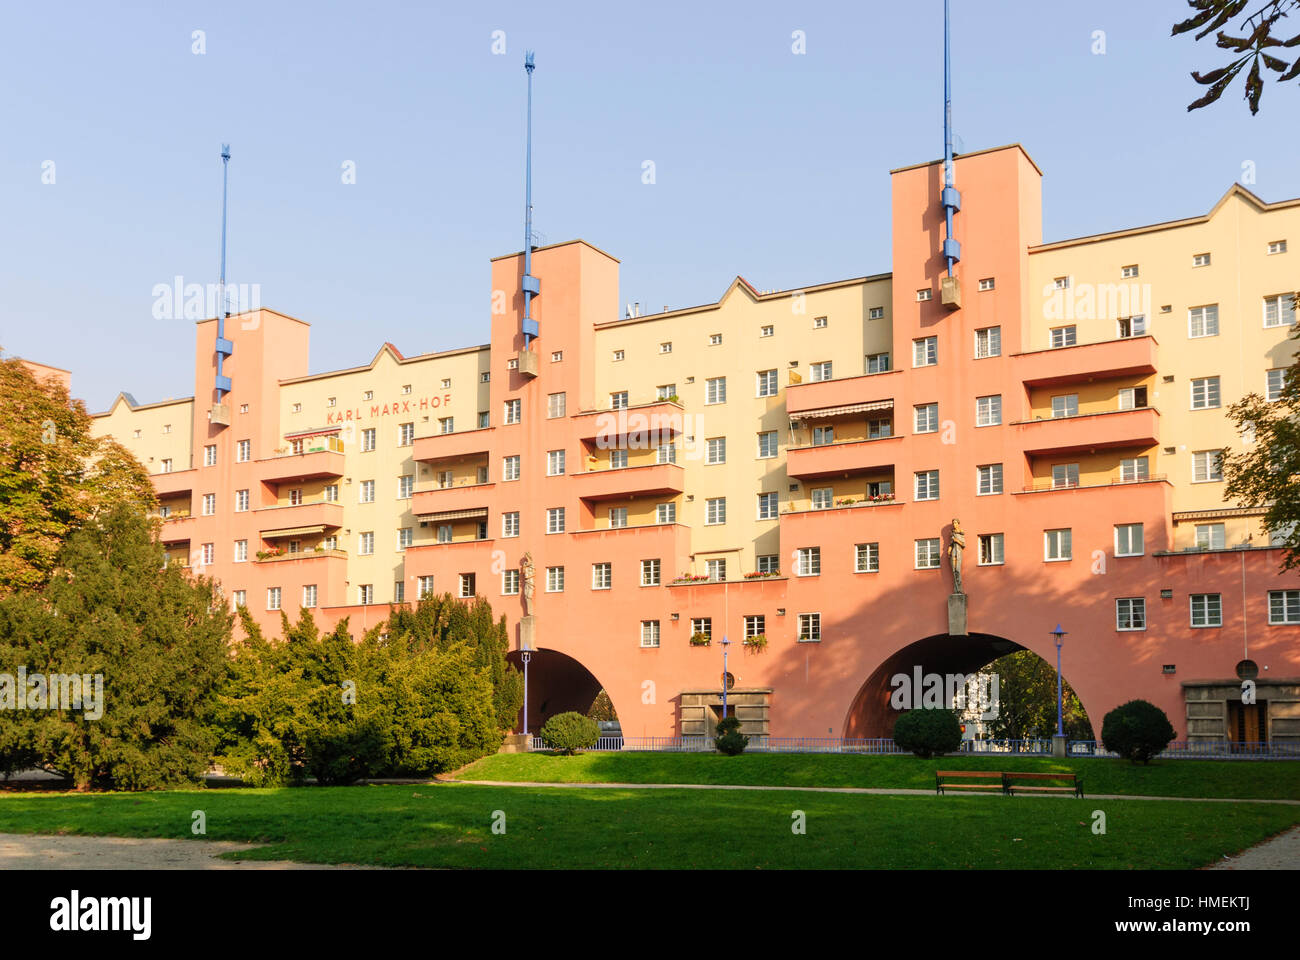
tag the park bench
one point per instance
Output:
(943, 778)
(1069, 783)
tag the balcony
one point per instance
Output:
(671, 542)
(321, 554)
(292, 467)
(170, 484)
(655, 479)
(177, 529)
(462, 501)
(842, 458)
(641, 426)
(449, 446)
(1130, 357)
(869, 389)
(298, 519)
(1092, 431)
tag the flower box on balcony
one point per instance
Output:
(756, 642)
(699, 639)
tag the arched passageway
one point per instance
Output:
(557, 683)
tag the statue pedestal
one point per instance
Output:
(957, 614)
(526, 633)
(1058, 745)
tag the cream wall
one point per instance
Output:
(153, 445)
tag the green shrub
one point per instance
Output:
(570, 732)
(1137, 730)
(927, 732)
(728, 738)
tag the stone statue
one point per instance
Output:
(526, 570)
(956, 544)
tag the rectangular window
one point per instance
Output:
(405, 537)
(367, 439)
(166, 466)
(423, 587)
(666, 347)
(209, 504)
(554, 579)
(666, 513)
(823, 498)
(702, 626)
(367, 491)
(209, 554)
(991, 549)
(210, 455)
(924, 294)
(296, 447)
(988, 342)
(767, 506)
(601, 576)
(877, 363)
(1131, 613)
(1126, 327)
(988, 479)
(405, 486)
(715, 339)
(1284, 606)
(1207, 465)
(510, 524)
(927, 554)
(715, 450)
(1129, 272)
(927, 485)
(556, 405)
(273, 598)
(399, 587)
(649, 633)
(484, 420)
(1276, 246)
(755, 626)
(926, 417)
(1279, 311)
(987, 283)
(239, 598)
(1205, 393)
(510, 467)
(510, 583)
(617, 517)
(1203, 321)
(1128, 540)
(1211, 536)
(446, 424)
(819, 323)
(879, 429)
(876, 313)
(649, 573)
(925, 352)
(617, 458)
(988, 411)
(405, 434)
(241, 501)
(444, 532)
(513, 410)
(715, 510)
(241, 551)
(366, 543)
(821, 436)
(768, 563)
(555, 520)
(467, 585)
(244, 451)
(765, 383)
(866, 558)
(1207, 609)
(1065, 405)
(1132, 469)
(766, 330)
(1275, 382)
(820, 371)
(666, 453)
(716, 570)
(309, 595)
(808, 561)
(1065, 475)
(767, 444)
(1058, 544)
(715, 390)
(1132, 398)
(1061, 283)
(810, 627)
(665, 391)
(618, 401)
(1064, 337)
(295, 497)
(554, 463)
(1201, 260)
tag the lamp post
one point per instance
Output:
(525, 656)
(1058, 742)
(725, 643)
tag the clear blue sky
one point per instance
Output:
(768, 164)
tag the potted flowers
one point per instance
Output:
(699, 639)
(757, 642)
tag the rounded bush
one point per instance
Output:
(927, 732)
(1137, 730)
(570, 732)
(728, 738)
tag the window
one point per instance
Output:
(808, 561)
(295, 447)
(241, 501)
(367, 491)
(167, 428)
(926, 417)
(1203, 321)
(555, 405)
(423, 587)
(766, 383)
(1207, 465)
(768, 563)
(1277, 246)
(924, 294)
(876, 313)
(666, 513)
(927, 554)
(555, 520)
(617, 458)
(209, 554)
(512, 363)
(1275, 381)
(243, 451)
(554, 463)
(715, 339)
(331, 402)
(1129, 272)
(823, 498)
(1126, 327)
(767, 444)
(927, 485)
(554, 579)
(822, 436)
(239, 598)
(1279, 311)
(866, 558)
(510, 524)
(716, 569)
(618, 355)
(466, 584)
(988, 342)
(666, 347)
(810, 627)
(715, 390)
(295, 496)
(767, 506)
(1132, 469)
(755, 626)
(405, 537)
(1066, 405)
(444, 533)
(1131, 613)
(510, 583)
(877, 362)
(399, 591)
(601, 576)
(1207, 609)
(510, 467)
(331, 542)
(989, 479)
(1211, 536)
(445, 384)
(273, 598)
(665, 390)
(405, 486)
(167, 466)
(1061, 283)
(243, 407)
(766, 330)
(309, 595)
(209, 504)
(819, 323)
(991, 549)
(1205, 393)
(366, 543)
(925, 352)
(367, 439)
(649, 633)
(1201, 260)
(878, 429)
(210, 455)
(715, 450)
(1065, 475)
(987, 283)
(1132, 398)
(1284, 606)
(702, 625)
(406, 434)
(665, 453)
(649, 573)
(988, 411)
(715, 510)
(1064, 337)
(820, 371)
(1058, 544)
(513, 410)
(241, 551)
(1128, 540)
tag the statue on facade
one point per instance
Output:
(956, 544)
(526, 573)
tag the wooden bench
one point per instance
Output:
(941, 778)
(1069, 783)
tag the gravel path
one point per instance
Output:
(1280, 853)
(31, 851)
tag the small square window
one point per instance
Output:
(766, 331)
(715, 339)
(1129, 272)
(1277, 246)
(556, 357)
(876, 313)
(987, 284)
(924, 294)
(1201, 260)
(819, 323)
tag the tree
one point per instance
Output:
(602, 708)
(148, 641)
(54, 475)
(1027, 700)
(927, 732)
(570, 732)
(1137, 730)
(1267, 472)
(1258, 33)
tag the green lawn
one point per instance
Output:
(451, 826)
(1246, 779)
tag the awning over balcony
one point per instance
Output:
(312, 432)
(294, 531)
(474, 513)
(843, 410)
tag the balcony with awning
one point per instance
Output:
(809, 399)
(299, 519)
(443, 504)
